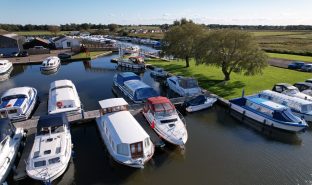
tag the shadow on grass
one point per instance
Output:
(217, 86)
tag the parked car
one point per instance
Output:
(307, 68)
(296, 65)
(23, 54)
(64, 55)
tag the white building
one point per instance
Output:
(65, 42)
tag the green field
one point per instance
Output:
(290, 57)
(211, 78)
(92, 54)
(38, 33)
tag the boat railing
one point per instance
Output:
(182, 118)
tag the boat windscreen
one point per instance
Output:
(286, 115)
(306, 108)
(18, 96)
(62, 87)
(187, 83)
(291, 91)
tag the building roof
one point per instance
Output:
(112, 102)
(59, 38)
(42, 40)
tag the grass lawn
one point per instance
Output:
(211, 78)
(38, 33)
(290, 57)
(92, 54)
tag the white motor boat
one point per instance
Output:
(18, 103)
(164, 119)
(290, 90)
(158, 72)
(133, 62)
(50, 63)
(5, 66)
(131, 50)
(125, 139)
(10, 140)
(268, 113)
(52, 149)
(200, 102)
(63, 97)
(184, 86)
(301, 108)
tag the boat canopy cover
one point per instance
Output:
(112, 102)
(160, 104)
(6, 128)
(52, 120)
(140, 90)
(122, 77)
(198, 100)
(266, 103)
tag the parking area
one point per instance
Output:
(36, 58)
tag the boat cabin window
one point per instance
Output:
(54, 160)
(306, 108)
(7, 98)
(188, 83)
(3, 114)
(12, 111)
(114, 109)
(39, 164)
(136, 150)
(147, 142)
(172, 81)
(122, 149)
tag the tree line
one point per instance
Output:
(232, 50)
(87, 26)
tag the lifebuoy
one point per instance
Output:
(59, 104)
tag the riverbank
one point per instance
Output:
(211, 78)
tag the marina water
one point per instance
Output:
(220, 149)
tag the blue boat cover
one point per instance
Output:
(6, 128)
(141, 90)
(53, 120)
(122, 77)
(198, 100)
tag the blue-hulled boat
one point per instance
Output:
(268, 113)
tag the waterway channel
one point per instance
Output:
(220, 149)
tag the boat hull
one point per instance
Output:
(206, 105)
(12, 155)
(6, 70)
(267, 122)
(130, 65)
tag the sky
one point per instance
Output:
(238, 12)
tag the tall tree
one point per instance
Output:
(54, 29)
(180, 40)
(233, 51)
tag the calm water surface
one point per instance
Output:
(220, 150)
